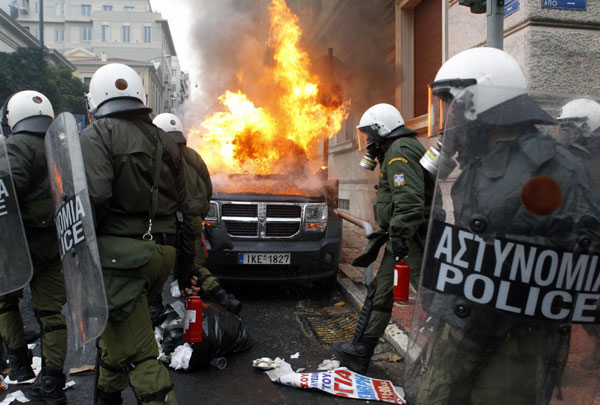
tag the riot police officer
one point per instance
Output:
(403, 203)
(137, 188)
(29, 114)
(199, 188)
(578, 127)
(493, 315)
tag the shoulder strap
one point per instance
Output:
(157, 167)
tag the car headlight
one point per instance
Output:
(315, 217)
(213, 212)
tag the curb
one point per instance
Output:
(393, 334)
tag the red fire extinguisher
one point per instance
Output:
(192, 331)
(401, 280)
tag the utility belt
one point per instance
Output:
(159, 237)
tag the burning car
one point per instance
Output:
(268, 164)
(278, 233)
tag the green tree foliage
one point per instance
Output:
(26, 69)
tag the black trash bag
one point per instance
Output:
(222, 333)
(172, 337)
(217, 236)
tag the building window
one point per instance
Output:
(126, 33)
(105, 32)
(344, 203)
(86, 82)
(107, 8)
(427, 50)
(147, 34)
(37, 7)
(86, 34)
(60, 9)
(59, 35)
(37, 34)
(128, 8)
(86, 10)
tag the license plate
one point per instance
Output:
(264, 258)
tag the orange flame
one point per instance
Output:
(58, 180)
(250, 139)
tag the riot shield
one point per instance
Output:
(508, 306)
(86, 298)
(15, 265)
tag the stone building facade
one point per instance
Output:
(91, 33)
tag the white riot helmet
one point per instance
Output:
(579, 117)
(171, 124)
(116, 88)
(492, 77)
(380, 122)
(485, 84)
(29, 111)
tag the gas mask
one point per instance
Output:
(369, 136)
(572, 129)
(441, 96)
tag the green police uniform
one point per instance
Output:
(30, 174)
(120, 170)
(403, 204)
(199, 188)
(490, 356)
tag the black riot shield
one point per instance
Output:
(508, 306)
(15, 263)
(86, 298)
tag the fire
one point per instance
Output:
(246, 138)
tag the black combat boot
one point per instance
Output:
(226, 300)
(19, 358)
(49, 388)
(3, 357)
(109, 398)
(356, 356)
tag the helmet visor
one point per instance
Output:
(440, 96)
(568, 130)
(367, 136)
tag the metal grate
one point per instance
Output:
(282, 229)
(284, 211)
(330, 328)
(239, 210)
(242, 228)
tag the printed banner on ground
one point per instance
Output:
(340, 382)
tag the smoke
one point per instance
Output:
(231, 52)
(230, 39)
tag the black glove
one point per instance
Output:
(184, 276)
(400, 249)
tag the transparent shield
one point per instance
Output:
(15, 264)
(86, 298)
(509, 304)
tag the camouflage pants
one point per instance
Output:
(47, 299)
(517, 372)
(383, 299)
(128, 348)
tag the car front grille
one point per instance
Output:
(248, 229)
(275, 229)
(262, 220)
(284, 211)
(239, 210)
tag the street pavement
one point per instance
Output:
(282, 320)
